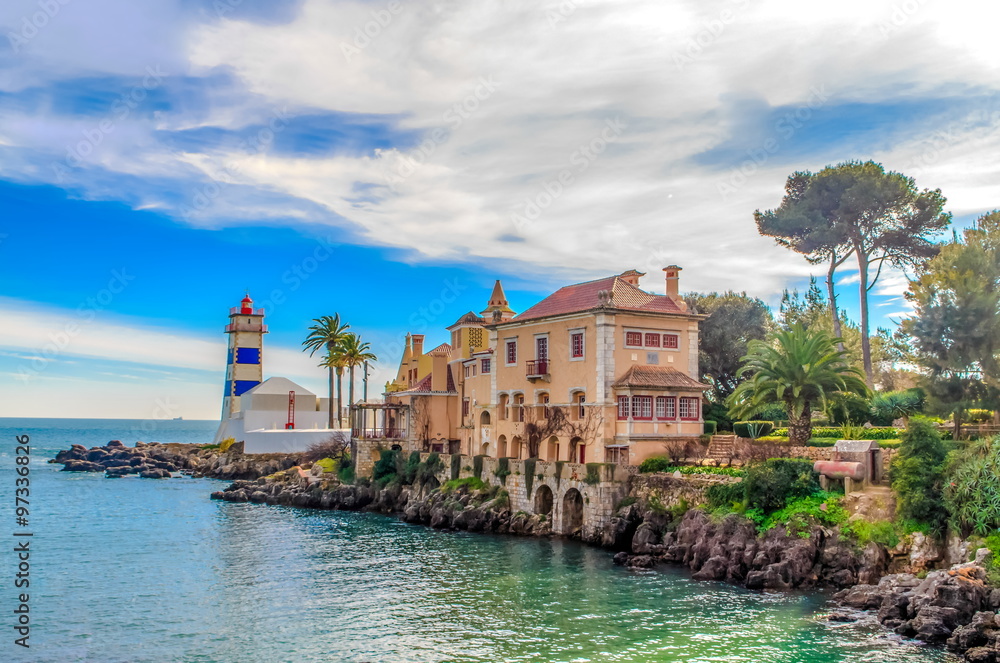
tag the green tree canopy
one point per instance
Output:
(327, 334)
(734, 319)
(800, 368)
(955, 328)
(858, 209)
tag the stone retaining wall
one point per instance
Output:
(671, 490)
(582, 495)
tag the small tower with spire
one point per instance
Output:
(498, 309)
(245, 364)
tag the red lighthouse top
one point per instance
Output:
(246, 306)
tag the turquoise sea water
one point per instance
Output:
(141, 571)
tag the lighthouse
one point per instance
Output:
(244, 366)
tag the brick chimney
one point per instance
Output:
(673, 273)
(418, 345)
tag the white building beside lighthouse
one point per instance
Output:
(269, 416)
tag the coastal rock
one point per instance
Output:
(81, 466)
(115, 444)
(976, 633)
(154, 473)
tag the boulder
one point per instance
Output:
(115, 444)
(933, 624)
(974, 634)
(81, 466)
(154, 473)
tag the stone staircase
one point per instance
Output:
(720, 448)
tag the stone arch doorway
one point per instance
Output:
(515, 447)
(543, 500)
(485, 449)
(502, 446)
(484, 418)
(577, 450)
(572, 517)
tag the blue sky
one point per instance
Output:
(159, 158)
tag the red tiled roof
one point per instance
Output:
(584, 296)
(423, 385)
(657, 377)
(444, 348)
(451, 380)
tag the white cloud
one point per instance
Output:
(683, 78)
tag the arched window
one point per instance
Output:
(502, 407)
(519, 407)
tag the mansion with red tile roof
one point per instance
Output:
(601, 371)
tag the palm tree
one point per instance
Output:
(355, 352)
(327, 334)
(335, 361)
(799, 368)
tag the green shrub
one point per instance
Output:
(656, 464)
(711, 427)
(470, 483)
(226, 443)
(753, 429)
(882, 532)
(346, 474)
(972, 489)
(773, 412)
(656, 504)
(978, 416)
(889, 444)
(799, 515)
(770, 485)
(993, 561)
(529, 474)
(892, 405)
(725, 495)
(718, 413)
(917, 475)
(456, 465)
(386, 464)
(328, 464)
(821, 442)
(836, 433)
(477, 466)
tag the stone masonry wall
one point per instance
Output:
(670, 490)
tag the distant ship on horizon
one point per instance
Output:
(178, 419)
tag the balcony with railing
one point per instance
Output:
(393, 433)
(536, 368)
(236, 310)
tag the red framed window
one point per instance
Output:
(689, 408)
(465, 407)
(652, 340)
(642, 407)
(633, 339)
(576, 344)
(671, 341)
(622, 408)
(666, 407)
(511, 352)
(486, 365)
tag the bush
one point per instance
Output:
(801, 513)
(892, 405)
(753, 429)
(864, 532)
(972, 491)
(917, 475)
(346, 474)
(336, 446)
(849, 408)
(386, 464)
(718, 413)
(772, 412)
(978, 416)
(226, 443)
(469, 483)
(726, 496)
(328, 464)
(711, 427)
(656, 464)
(836, 433)
(770, 485)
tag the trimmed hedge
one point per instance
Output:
(758, 428)
(877, 433)
(711, 427)
(664, 464)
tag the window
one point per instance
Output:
(581, 411)
(689, 408)
(465, 407)
(671, 341)
(486, 365)
(666, 407)
(470, 371)
(543, 402)
(502, 407)
(519, 406)
(633, 339)
(642, 407)
(576, 344)
(652, 340)
(542, 348)
(622, 408)
(511, 352)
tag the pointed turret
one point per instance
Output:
(497, 309)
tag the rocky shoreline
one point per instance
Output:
(953, 606)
